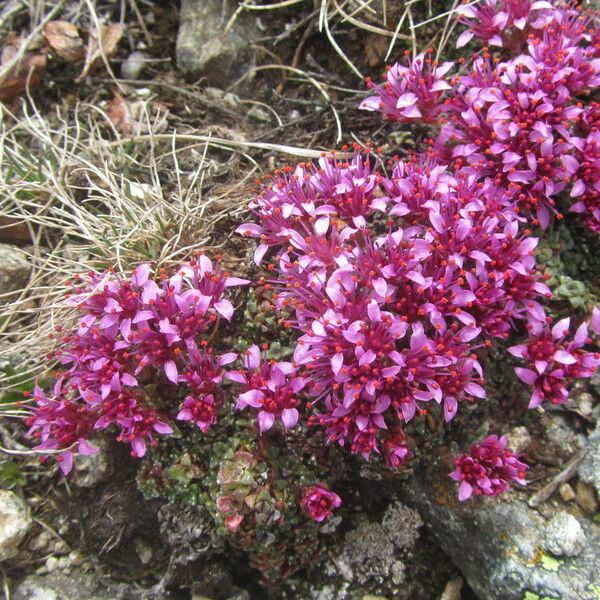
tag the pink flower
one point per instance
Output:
(133, 329)
(396, 451)
(410, 93)
(319, 502)
(502, 22)
(488, 469)
(61, 425)
(201, 410)
(394, 289)
(553, 362)
(269, 387)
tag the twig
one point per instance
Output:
(297, 55)
(565, 475)
(167, 137)
(140, 18)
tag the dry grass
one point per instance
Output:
(91, 203)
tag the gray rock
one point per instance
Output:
(519, 438)
(15, 521)
(14, 269)
(370, 554)
(189, 531)
(589, 469)
(373, 553)
(496, 544)
(564, 535)
(57, 585)
(401, 525)
(204, 49)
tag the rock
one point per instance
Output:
(370, 554)
(453, 589)
(14, 269)
(586, 497)
(144, 550)
(564, 535)
(90, 470)
(189, 531)
(495, 543)
(203, 48)
(589, 469)
(51, 564)
(401, 525)
(519, 439)
(566, 492)
(133, 65)
(58, 585)
(560, 434)
(15, 521)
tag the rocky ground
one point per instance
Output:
(94, 536)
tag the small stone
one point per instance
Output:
(519, 439)
(15, 521)
(14, 269)
(259, 114)
(204, 47)
(41, 541)
(75, 558)
(586, 497)
(144, 550)
(51, 564)
(453, 589)
(564, 535)
(567, 493)
(59, 547)
(133, 65)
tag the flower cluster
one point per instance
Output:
(319, 502)
(554, 362)
(502, 22)
(135, 331)
(519, 121)
(270, 387)
(488, 469)
(410, 93)
(395, 282)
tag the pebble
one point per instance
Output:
(453, 588)
(586, 497)
(15, 521)
(519, 439)
(144, 550)
(566, 492)
(133, 65)
(564, 535)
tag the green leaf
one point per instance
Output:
(11, 475)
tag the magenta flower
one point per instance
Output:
(502, 22)
(270, 387)
(61, 426)
(410, 93)
(319, 502)
(200, 410)
(396, 451)
(394, 290)
(586, 187)
(131, 330)
(488, 469)
(554, 362)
